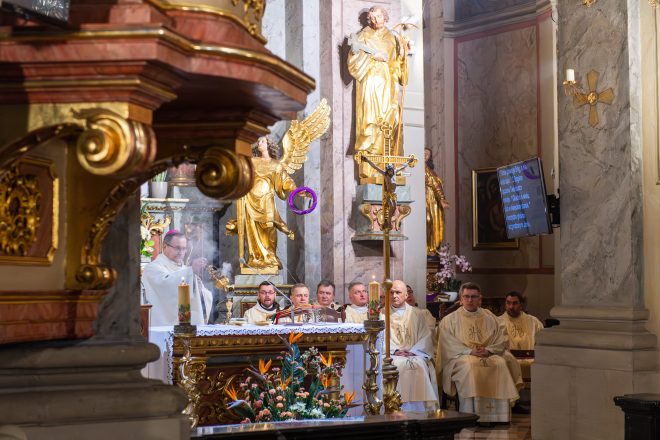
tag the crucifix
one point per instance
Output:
(593, 97)
(391, 398)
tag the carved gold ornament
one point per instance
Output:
(113, 145)
(19, 212)
(592, 97)
(247, 13)
(222, 174)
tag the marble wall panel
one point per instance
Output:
(341, 259)
(496, 116)
(470, 8)
(601, 194)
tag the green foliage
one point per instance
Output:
(160, 177)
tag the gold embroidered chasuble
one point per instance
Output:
(356, 314)
(258, 314)
(521, 331)
(410, 332)
(472, 376)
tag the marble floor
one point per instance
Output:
(520, 429)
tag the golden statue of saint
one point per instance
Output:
(378, 62)
(257, 220)
(436, 203)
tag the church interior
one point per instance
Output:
(212, 216)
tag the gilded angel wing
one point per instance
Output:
(295, 142)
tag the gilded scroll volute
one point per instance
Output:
(224, 174)
(113, 145)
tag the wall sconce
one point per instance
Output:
(592, 97)
(589, 3)
(570, 86)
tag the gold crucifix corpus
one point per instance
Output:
(593, 97)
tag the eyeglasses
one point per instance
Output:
(470, 297)
(177, 248)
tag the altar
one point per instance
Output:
(227, 350)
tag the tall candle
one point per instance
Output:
(570, 75)
(184, 302)
(374, 298)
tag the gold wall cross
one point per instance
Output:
(593, 97)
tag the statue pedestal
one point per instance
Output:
(254, 280)
(369, 199)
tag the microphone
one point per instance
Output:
(258, 273)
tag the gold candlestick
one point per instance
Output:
(372, 404)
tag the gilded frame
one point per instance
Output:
(47, 258)
(486, 217)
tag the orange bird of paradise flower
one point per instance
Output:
(293, 337)
(264, 366)
(326, 362)
(349, 397)
(325, 380)
(232, 393)
(285, 384)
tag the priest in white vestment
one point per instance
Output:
(325, 295)
(161, 279)
(411, 344)
(521, 328)
(357, 311)
(473, 341)
(266, 305)
(428, 317)
(300, 303)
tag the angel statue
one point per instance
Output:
(257, 220)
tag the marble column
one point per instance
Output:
(602, 348)
(80, 385)
(414, 250)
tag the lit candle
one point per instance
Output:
(570, 75)
(184, 302)
(374, 298)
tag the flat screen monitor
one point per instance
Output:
(524, 200)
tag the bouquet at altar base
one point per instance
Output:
(271, 394)
(449, 265)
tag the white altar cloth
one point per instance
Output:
(356, 356)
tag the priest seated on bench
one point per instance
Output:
(473, 341)
(413, 349)
(266, 305)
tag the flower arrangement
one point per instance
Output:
(271, 394)
(146, 243)
(449, 265)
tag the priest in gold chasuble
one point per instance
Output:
(521, 328)
(473, 342)
(412, 350)
(378, 63)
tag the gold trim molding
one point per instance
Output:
(279, 66)
(253, 11)
(222, 343)
(33, 297)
